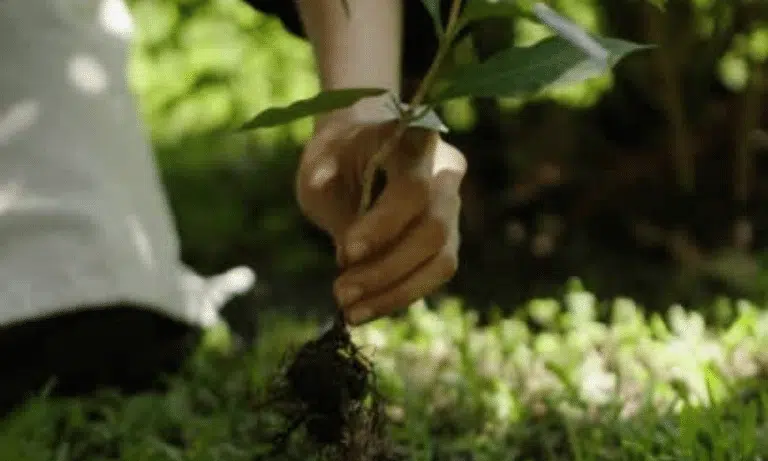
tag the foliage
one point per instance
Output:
(511, 72)
(525, 70)
(552, 382)
(238, 203)
(324, 102)
(200, 67)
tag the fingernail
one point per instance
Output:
(358, 316)
(356, 250)
(348, 295)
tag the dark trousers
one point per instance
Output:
(122, 347)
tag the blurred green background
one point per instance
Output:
(645, 183)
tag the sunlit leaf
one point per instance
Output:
(571, 32)
(734, 71)
(518, 71)
(476, 10)
(660, 4)
(433, 7)
(758, 44)
(428, 120)
(325, 101)
(431, 121)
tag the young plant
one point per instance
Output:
(570, 56)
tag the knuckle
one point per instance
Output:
(448, 264)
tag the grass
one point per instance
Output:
(570, 379)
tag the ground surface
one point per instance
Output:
(556, 383)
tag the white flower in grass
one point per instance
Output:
(742, 363)
(576, 340)
(541, 380)
(712, 352)
(597, 385)
(581, 308)
(510, 374)
(761, 326)
(490, 365)
(761, 355)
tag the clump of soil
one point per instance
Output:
(329, 388)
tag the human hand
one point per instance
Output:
(406, 245)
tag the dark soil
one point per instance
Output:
(329, 389)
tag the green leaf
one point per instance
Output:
(325, 101)
(571, 32)
(430, 121)
(427, 118)
(477, 10)
(433, 7)
(518, 71)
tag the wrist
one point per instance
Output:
(362, 49)
(359, 50)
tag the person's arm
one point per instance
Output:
(417, 33)
(362, 49)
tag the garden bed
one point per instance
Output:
(560, 380)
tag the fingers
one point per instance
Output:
(402, 201)
(418, 259)
(421, 282)
(405, 196)
(425, 260)
(420, 244)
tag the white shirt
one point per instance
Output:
(83, 218)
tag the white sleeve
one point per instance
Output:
(83, 218)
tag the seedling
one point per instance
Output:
(329, 385)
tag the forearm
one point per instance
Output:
(359, 50)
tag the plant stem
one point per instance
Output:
(378, 158)
(442, 51)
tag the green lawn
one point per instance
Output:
(553, 382)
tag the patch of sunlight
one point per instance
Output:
(459, 114)
(734, 71)
(583, 13)
(10, 195)
(87, 74)
(115, 18)
(758, 44)
(528, 32)
(17, 118)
